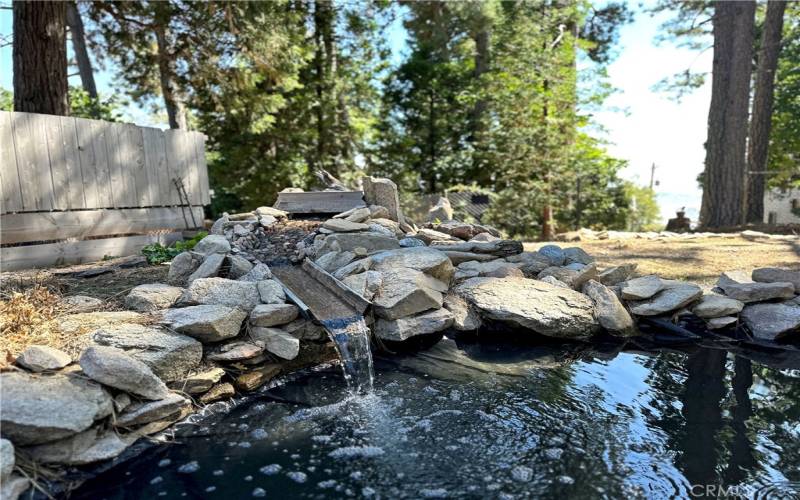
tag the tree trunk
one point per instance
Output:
(761, 120)
(79, 47)
(724, 187)
(323, 66)
(40, 57)
(176, 113)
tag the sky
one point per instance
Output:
(642, 126)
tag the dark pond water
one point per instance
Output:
(463, 420)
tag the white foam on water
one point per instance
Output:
(565, 480)
(522, 474)
(259, 433)
(156, 480)
(433, 493)
(271, 469)
(189, 467)
(259, 493)
(356, 452)
(330, 483)
(218, 472)
(553, 453)
(322, 438)
(165, 462)
(297, 476)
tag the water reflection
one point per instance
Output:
(467, 419)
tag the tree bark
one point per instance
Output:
(79, 47)
(40, 57)
(724, 187)
(761, 119)
(176, 112)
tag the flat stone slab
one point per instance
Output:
(206, 323)
(410, 326)
(777, 275)
(152, 297)
(608, 310)
(39, 358)
(198, 383)
(717, 306)
(428, 260)
(37, 409)
(277, 341)
(237, 351)
(344, 226)
(231, 293)
(642, 288)
(87, 447)
(146, 412)
(114, 368)
(273, 314)
(674, 296)
(758, 292)
(538, 306)
(772, 321)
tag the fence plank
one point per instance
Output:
(174, 164)
(152, 162)
(200, 151)
(72, 163)
(57, 160)
(49, 226)
(136, 163)
(42, 174)
(9, 175)
(88, 160)
(77, 252)
(102, 147)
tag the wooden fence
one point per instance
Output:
(65, 179)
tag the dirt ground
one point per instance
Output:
(697, 260)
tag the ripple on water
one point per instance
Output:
(356, 452)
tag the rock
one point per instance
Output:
(219, 391)
(242, 230)
(344, 226)
(347, 242)
(206, 323)
(93, 445)
(721, 322)
(182, 266)
(575, 266)
(716, 306)
(114, 368)
(388, 224)
(209, 268)
(442, 211)
(277, 341)
(332, 261)
(428, 260)
(121, 401)
(271, 292)
(608, 310)
(674, 295)
(355, 267)
(143, 413)
(428, 236)
(238, 266)
(37, 409)
(576, 255)
(505, 272)
(273, 314)
(213, 243)
(383, 192)
(218, 226)
(379, 229)
(458, 258)
(642, 288)
(777, 275)
(272, 212)
(500, 248)
(6, 459)
(259, 272)
(460, 230)
(532, 263)
(464, 317)
(461, 275)
(411, 242)
(757, 292)
(421, 324)
(358, 215)
(352, 211)
(170, 355)
(267, 220)
(209, 291)
(199, 383)
(484, 237)
(13, 487)
(378, 212)
(733, 278)
(236, 351)
(82, 303)
(152, 297)
(772, 321)
(618, 274)
(365, 284)
(252, 380)
(488, 268)
(552, 280)
(540, 307)
(405, 292)
(572, 278)
(554, 253)
(39, 358)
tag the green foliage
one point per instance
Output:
(80, 104)
(6, 100)
(158, 253)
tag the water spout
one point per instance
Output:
(351, 337)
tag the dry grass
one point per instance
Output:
(698, 260)
(29, 317)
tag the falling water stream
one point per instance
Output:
(351, 337)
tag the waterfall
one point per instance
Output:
(351, 337)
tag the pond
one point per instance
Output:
(469, 420)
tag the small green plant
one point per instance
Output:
(158, 253)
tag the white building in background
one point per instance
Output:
(782, 207)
